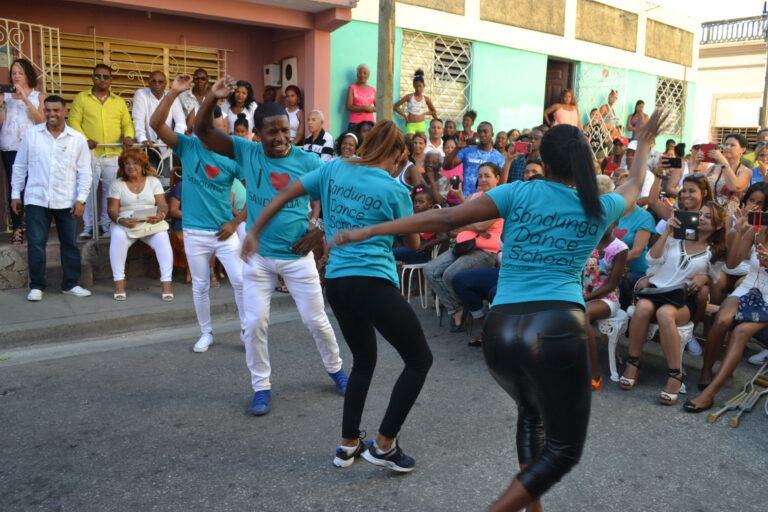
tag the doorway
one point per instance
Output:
(559, 77)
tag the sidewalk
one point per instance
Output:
(60, 318)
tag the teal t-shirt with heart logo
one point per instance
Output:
(264, 178)
(207, 176)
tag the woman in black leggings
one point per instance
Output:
(534, 338)
(362, 285)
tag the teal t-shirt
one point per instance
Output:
(238, 189)
(264, 178)
(207, 178)
(638, 220)
(355, 196)
(547, 240)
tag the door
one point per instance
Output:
(559, 77)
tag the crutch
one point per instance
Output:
(746, 406)
(734, 402)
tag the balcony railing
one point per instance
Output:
(734, 31)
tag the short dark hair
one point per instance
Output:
(53, 98)
(29, 72)
(739, 138)
(485, 122)
(265, 110)
(436, 120)
(471, 114)
(199, 70)
(101, 65)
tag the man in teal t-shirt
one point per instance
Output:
(208, 223)
(267, 167)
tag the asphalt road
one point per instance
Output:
(140, 423)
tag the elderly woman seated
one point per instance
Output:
(136, 204)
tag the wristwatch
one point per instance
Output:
(82, 202)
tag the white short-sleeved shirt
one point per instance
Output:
(129, 202)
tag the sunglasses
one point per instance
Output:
(99, 76)
(200, 79)
(697, 147)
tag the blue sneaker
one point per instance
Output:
(394, 459)
(260, 404)
(341, 379)
(343, 459)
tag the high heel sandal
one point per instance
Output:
(17, 238)
(671, 398)
(626, 383)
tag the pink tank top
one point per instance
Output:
(563, 116)
(362, 97)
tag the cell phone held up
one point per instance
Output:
(689, 226)
(523, 147)
(9, 88)
(672, 162)
(706, 148)
(759, 219)
(473, 141)
(455, 182)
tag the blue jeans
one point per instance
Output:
(472, 286)
(38, 227)
(410, 256)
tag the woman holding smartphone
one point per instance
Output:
(534, 338)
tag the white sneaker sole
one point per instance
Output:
(200, 350)
(385, 463)
(758, 359)
(341, 463)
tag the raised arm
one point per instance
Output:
(645, 134)
(432, 221)
(450, 161)
(215, 139)
(654, 200)
(157, 121)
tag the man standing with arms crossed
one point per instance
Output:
(267, 167)
(57, 182)
(103, 118)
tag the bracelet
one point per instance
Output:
(314, 221)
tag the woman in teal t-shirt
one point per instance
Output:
(534, 338)
(362, 285)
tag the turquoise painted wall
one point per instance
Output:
(507, 86)
(690, 116)
(351, 45)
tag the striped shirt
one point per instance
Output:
(322, 145)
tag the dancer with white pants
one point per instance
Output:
(267, 167)
(208, 223)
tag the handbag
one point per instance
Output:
(146, 229)
(672, 295)
(465, 247)
(752, 307)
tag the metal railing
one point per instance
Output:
(735, 30)
(164, 169)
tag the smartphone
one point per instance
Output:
(522, 147)
(9, 88)
(472, 141)
(758, 218)
(689, 223)
(673, 162)
(455, 182)
(706, 148)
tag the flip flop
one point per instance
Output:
(167, 297)
(120, 296)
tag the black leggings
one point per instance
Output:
(537, 352)
(362, 304)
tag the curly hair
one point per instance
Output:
(136, 155)
(29, 72)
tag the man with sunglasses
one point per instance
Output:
(191, 98)
(103, 118)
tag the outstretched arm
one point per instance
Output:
(215, 139)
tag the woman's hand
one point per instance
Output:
(352, 236)
(156, 218)
(128, 222)
(717, 156)
(456, 193)
(697, 282)
(182, 82)
(673, 223)
(250, 246)
(223, 87)
(651, 129)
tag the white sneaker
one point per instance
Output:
(205, 341)
(757, 359)
(77, 291)
(693, 347)
(36, 295)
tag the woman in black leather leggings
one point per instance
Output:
(534, 338)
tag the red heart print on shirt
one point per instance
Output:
(212, 171)
(620, 233)
(279, 180)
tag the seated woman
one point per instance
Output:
(434, 179)
(422, 201)
(600, 282)
(486, 238)
(674, 263)
(746, 243)
(346, 145)
(137, 188)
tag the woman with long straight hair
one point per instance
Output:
(534, 338)
(362, 285)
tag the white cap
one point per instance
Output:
(632, 145)
(699, 142)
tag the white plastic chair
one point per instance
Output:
(406, 274)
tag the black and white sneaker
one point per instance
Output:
(344, 459)
(394, 459)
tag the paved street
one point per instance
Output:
(140, 423)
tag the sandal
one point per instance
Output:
(689, 406)
(120, 296)
(17, 238)
(167, 297)
(671, 398)
(626, 383)
(597, 384)
(476, 342)
(282, 289)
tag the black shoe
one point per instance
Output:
(394, 459)
(689, 406)
(344, 459)
(456, 327)
(86, 235)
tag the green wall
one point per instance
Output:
(507, 86)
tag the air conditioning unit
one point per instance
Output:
(290, 74)
(272, 75)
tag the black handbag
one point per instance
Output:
(672, 295)
(465, 247)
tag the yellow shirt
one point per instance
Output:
(104, 123)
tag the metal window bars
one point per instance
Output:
(670, 95)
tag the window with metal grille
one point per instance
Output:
(446, 62)
(718, 133)
(670, 95)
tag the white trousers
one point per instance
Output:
(119, 243)
(199, 246)
(104, 171)
(303, 282)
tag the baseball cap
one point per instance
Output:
(699, 142)
(632, 145)
(621, 140)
